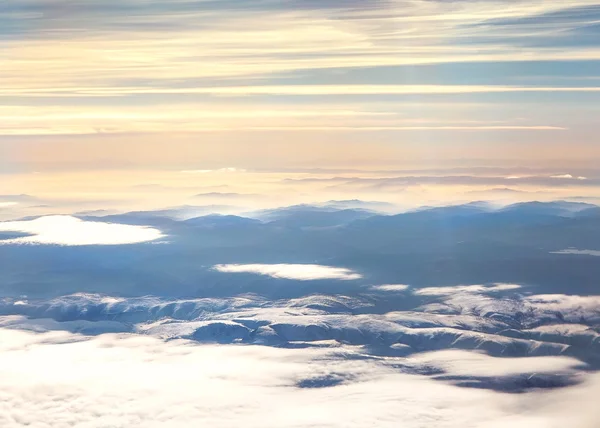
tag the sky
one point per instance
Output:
(98, 97)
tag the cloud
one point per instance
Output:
(501, 191)
(446, 291)
(463, 363)
(300, 272)
(304, 90)
(116, 118)
(528, 311)
(366, 89)
(333, 128)
(569, 176)
(8, 204)
(120, 49)
(125, 380)
(17, 198)
(578, 252)
(587, 306)
(390, 287)
(116, 73)
(384, 183)
(67, 230)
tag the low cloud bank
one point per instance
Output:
(61, 379)
(390, 287)
(71, 231)
(300, 272)
(446, 291)
(573, 251)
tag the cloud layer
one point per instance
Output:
(60, 379)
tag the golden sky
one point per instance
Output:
(98, 91)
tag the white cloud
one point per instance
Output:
(367, 89)
(59, 379)
(446, 291)
(463, 363)
(579, 252)
(53, 130)
(569, 177)
(7, 204)
(288, 41)
(564, 303)
(67, 230)
(390, 287)
(301, 272)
